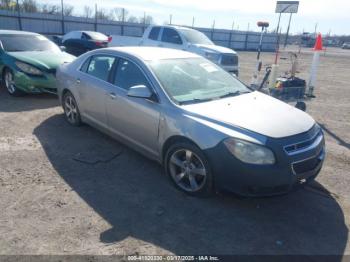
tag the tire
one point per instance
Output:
(189, 169)
(71, 110)
(9, 84)
(301, 106)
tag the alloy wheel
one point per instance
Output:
(70, 109)
(187, 170)
(10, 83)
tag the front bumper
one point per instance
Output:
(289, 171)
(36, 84)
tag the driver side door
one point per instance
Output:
(134, 119)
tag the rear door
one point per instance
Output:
(171, 39)
(93, 86)
(153, 38)
(135, 119)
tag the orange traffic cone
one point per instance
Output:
(318, 44)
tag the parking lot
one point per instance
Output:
(67, 190)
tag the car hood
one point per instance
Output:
(256, 112)
(43, 60)
(215, 48)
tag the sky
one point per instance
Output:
(327, 16)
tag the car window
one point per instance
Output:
(85, 66)
(22, 43)
(154, 33)
(171, 36)
(85, 36)
(128, 75)
(100, 66)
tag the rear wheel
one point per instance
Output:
(9, 83)
(189, 169)
(71, 110)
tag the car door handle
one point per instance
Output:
(78, 81)
(112, 95)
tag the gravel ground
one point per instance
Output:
(50, 203)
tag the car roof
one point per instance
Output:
(16, 32)
(148, 53)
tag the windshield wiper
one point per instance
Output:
(236, 93)
(195, 100)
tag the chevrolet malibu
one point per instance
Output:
(208, 130)
(28, 62)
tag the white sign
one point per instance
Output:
(287, 6)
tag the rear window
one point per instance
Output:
(96, 36)
(22, 43)
(171, 36)
(154, 33)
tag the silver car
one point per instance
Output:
(208, 130)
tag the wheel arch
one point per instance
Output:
(173, 140)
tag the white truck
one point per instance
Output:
(182, 38)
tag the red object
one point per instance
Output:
(99, 43)
(109, 39)
(318, 44)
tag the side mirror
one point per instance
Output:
(140, 91)
(63, 48)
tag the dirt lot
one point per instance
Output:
(52, 204)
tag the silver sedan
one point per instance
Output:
(208, 130)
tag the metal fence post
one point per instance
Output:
(212, 31)
(19, 16)
(62, 13)
(123, 21)
(95, 25)
(246, 39)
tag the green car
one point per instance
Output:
(28, 62)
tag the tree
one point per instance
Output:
(118, 15)
(50, 9)
(29, 6)
(133, 19)
(68, 10)
(87, 12)
(8, 5)
(102, 14)
(147, 20)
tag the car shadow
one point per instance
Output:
(339, 140)
(27, 102)
(137, 200)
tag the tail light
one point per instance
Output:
(110, 39)
(99, 43)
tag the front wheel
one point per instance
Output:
(188, 168)
(9, 82)
(71, 110)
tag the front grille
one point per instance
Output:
(308, 164)
(290, 149)
(229, 59)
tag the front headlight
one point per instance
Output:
(215, 57)
(249, 152)
(31, 70)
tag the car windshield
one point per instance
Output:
(194, 80)
(195, 37)
(97, 36)
(21, 43)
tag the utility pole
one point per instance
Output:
(170, 19)
(192, 22)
